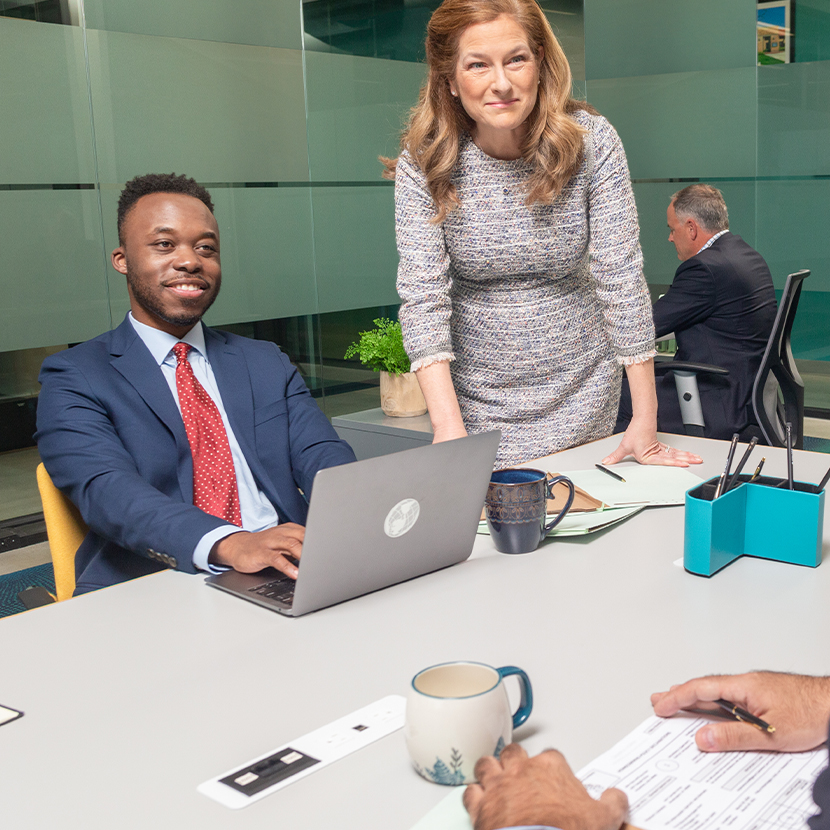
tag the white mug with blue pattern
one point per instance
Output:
(458, 712)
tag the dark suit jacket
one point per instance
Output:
(821, 795)
(111, 436)
(721, 307)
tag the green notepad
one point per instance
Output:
(649, 486)
(448, 814)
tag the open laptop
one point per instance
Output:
(378, 522)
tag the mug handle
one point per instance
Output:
(570, 485)
(526, 701)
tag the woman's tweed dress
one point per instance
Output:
(537, 307)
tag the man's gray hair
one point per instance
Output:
(704, 204)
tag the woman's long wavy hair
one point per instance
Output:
(553, 142)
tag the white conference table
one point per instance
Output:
(136, 694)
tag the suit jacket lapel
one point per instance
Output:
(132, 359)
(230, 369)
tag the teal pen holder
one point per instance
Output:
(758, 519)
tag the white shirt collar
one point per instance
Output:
(160, 343)
(712, 241)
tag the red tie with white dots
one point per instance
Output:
(214, 477)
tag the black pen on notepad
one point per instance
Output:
(610, 473)
(742, 715)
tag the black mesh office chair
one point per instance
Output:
(777, 393)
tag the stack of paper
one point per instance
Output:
(578, 524)
(671, 784)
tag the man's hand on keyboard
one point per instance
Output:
(251, 552)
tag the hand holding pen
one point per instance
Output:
(739, 713)
(797, 706)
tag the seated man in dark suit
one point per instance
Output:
(542, 792)
(181, 446)
(721, 307)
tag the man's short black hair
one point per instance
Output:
(157, 183)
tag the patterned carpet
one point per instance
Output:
(12, 584)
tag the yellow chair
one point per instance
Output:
(65, 529)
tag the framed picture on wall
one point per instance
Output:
(774, 32)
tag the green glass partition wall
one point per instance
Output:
(284, 128)
(282, 109)
(682, 84)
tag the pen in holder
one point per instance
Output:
(761, 519)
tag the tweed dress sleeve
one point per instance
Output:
(616, 261)
(423, 270)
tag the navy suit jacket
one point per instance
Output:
(821, 795)
(721, 307)
(112, 438)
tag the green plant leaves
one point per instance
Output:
(381, 348)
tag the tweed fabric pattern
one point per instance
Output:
(214, 478)
(537, 307)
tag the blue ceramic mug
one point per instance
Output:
(516, 508)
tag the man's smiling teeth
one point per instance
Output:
(187, 287)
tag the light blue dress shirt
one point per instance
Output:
(257, 512)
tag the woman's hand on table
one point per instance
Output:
(640, 441)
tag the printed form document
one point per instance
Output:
(672, 785)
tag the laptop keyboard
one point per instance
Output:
(280, 590)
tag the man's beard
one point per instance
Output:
(149, 303)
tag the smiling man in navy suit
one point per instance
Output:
(110, 427)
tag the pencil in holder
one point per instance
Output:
(764, 519)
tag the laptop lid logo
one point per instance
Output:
(401, 518)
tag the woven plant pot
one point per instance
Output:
(401, 396)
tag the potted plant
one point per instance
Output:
(381, 349)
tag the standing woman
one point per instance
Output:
(520, 267)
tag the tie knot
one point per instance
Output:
(181, 350)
